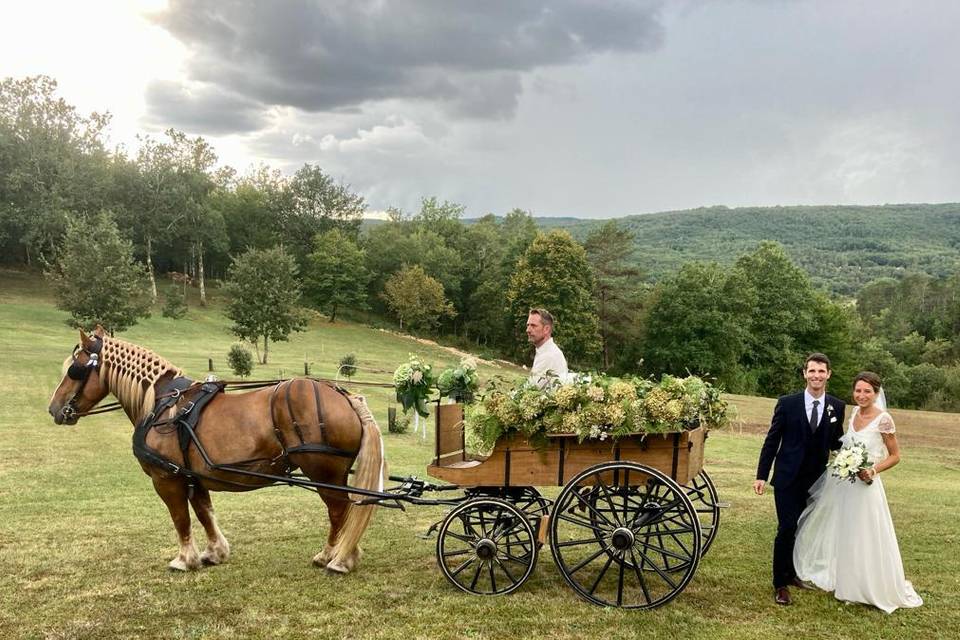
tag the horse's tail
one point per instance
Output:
(367, 475)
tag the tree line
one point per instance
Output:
(103, 224)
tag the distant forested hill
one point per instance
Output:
(841, 247)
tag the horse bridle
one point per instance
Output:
(80, 373)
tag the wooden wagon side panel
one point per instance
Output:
(514, 462)
(449, 435)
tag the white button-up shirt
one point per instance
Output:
(548, 358)
(808, 405)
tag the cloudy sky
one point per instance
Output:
(561, 107)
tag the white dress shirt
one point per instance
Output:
(808, 405)
(549, 358)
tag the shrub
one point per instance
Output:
(348, 365)
(401, 424)
(240, 360)
(174, 304)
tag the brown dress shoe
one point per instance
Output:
(782, 596)
(800, 584)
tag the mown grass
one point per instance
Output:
(84, 541)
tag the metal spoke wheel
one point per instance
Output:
(487, 546)
(703, 495)
(625, 535)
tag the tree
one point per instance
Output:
(335, 274)
(167, 198)
(783, 322)
(554, 274)
(250, 210)
(96, 278)
(52, 166)
(416, 298)
(697, 323)
(617, 287)
(265, 297)
(314, 204)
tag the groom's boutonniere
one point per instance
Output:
(833, 418)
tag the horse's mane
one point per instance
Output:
(130, 372)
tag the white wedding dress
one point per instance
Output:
(845, 539)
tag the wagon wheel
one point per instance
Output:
(526, 499)
(652, 488)
(625, 535)
(486, 546)
(703, 494)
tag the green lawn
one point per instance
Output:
(84, 541)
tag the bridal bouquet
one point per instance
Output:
(412, 382)
(850, 461)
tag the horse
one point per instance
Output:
(296, 424)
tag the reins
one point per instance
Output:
(239, 385)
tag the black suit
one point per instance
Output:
(801, 456)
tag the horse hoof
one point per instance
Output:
(178, 564)
(323, 558)
(209, 558)
(336, 567)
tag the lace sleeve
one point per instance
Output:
(886, 424)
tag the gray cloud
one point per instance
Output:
(202, 108)
(550, 106)
(466, 56)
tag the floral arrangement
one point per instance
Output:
(413, 381)
(850, 461)
(594, 406)
(459, 383)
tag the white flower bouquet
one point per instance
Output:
(850, 461)
(459, 383)
(412, 381)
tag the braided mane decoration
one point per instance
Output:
(130, 372)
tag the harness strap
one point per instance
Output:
(320, 423)
(293, 417)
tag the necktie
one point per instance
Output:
(815, 416)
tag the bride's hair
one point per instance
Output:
(870, 378)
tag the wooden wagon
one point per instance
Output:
(628, 528)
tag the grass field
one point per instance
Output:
(84, 541)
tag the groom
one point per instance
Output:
(804, 428)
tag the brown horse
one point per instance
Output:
(258, 429)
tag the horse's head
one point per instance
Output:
(81, 387)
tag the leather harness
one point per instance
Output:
(191, 398)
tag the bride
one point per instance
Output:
(845, 540)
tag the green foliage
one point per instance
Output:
(53, 168)
(174, 303)
(348, 365)
(96, 278)
(554, 274)
(314, 203)
(594, 407)
(618, 292)
(416, 298)
(698, 322)
(842, 248)
(265, 296)
(401, 424)
(335, 274)
(240, 360)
